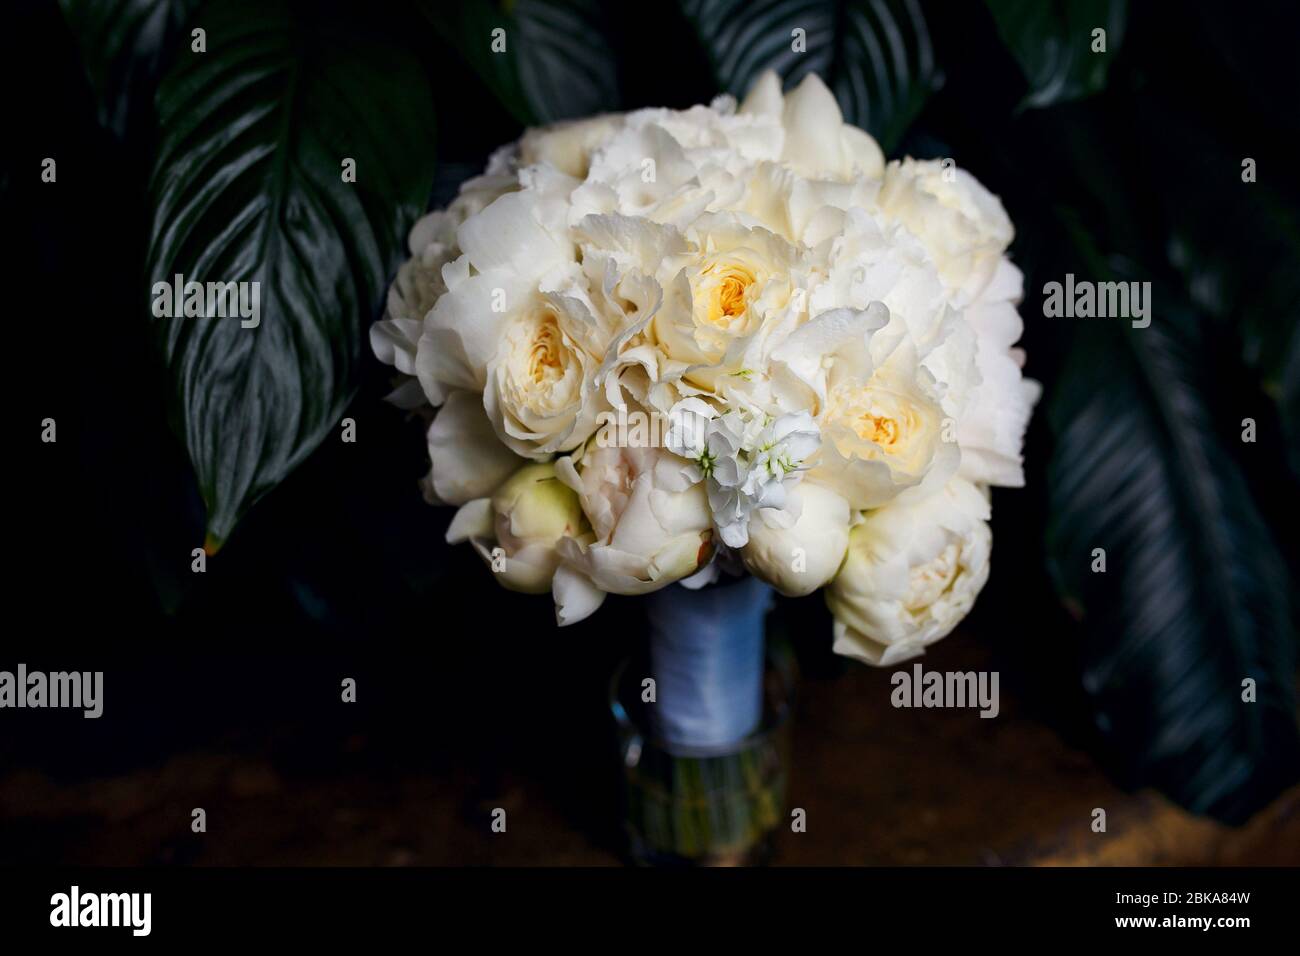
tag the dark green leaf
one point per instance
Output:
(248, 188)
(874, 54)
(556, 64)
(1052, 40)
(1235, 242)
(1194, 596)
(125, 45)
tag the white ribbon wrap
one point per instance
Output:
(706, 656)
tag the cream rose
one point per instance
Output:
(912, 572)
(724, 297)
(883, 429)
(517, 324)
(541, 393)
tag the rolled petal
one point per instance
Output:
(472, 520)
(576, 597)
(813, 124)
(764, 96)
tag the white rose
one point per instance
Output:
(800, 558)
(883, 429)
(541, 393)
(524, 350)
(508, 246)
(725, 297)
(517, 324)
(650, 525)
(912, 572)
(962, 225)
(524, 518)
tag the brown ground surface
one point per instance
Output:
(878, 788)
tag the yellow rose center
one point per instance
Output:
(727, 300)
(545, 361)
(875, 415)
(877, 428)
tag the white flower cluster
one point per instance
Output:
(829, 338)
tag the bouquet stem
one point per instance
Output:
(705, 758)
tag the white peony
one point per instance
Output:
(650, 527)
(419, 283)
(567, 146)
(991, 430)
(962, 224)
(799, 558)
(516, 531)
(912, 572)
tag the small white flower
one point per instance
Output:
(748, 460)
(688, 436)
(783, 446)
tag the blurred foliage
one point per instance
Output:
(549, 62)
(1127, 163)
(125, 47)
(1064, 47)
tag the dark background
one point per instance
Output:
(468, 697)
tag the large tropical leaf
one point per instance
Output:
(125, 44)
(1052, 40)
(556, 63)
(1237, 244)
(874, 54)
(248, 188)
(1193, 600)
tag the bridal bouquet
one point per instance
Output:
(667, 344)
